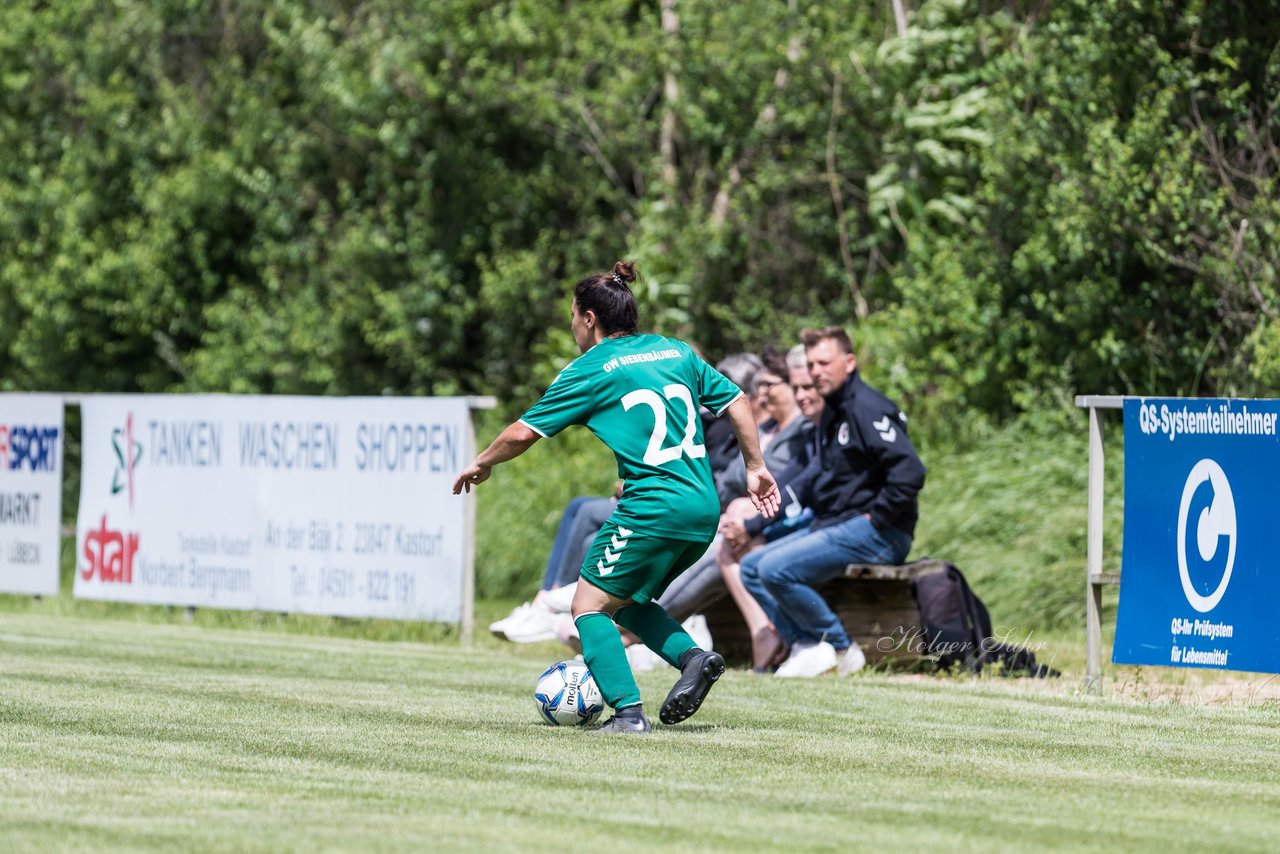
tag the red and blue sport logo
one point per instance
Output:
(34, 448)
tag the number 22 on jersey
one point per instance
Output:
(655, 454)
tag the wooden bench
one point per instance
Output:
(873, 602)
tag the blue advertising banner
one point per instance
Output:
(1200, 579)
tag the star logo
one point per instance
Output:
(128, 453)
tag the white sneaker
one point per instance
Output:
(559, 600)
(808, 661)
(537, 624)
(499, 627)
(696, 626)
(852, 661)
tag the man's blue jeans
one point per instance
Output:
(782, 575)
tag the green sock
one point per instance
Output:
(607, 660)
(653, 625)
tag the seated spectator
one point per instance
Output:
(864, 499)
(769, 394)
(785, 437)
(722, 446)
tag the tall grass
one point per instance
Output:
(1010, 510)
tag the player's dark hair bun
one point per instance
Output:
(625, 271)
(609, 296)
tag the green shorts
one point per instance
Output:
(629, 565)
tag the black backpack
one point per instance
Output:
(957, 628)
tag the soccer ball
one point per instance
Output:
(567, 695)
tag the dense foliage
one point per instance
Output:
(1008, 201)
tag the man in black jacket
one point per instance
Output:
(863, 495)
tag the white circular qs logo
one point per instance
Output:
(1215, 521)
(843, 435)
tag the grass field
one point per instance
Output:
(117, 735)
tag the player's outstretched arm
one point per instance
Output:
(760, 484)
(763, 491)
(511, 443)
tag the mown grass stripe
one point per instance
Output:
(146, 736)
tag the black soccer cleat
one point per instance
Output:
(697, 674)
(632, 724)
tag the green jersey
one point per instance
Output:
(641, 395)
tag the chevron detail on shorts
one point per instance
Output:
(619, 542)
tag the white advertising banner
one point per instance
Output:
(31, 433)
(318, 505)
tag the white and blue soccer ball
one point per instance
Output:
(567, 695)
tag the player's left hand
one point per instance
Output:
(763, 491)
(473, 475)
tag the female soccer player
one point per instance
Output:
(641, 395)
